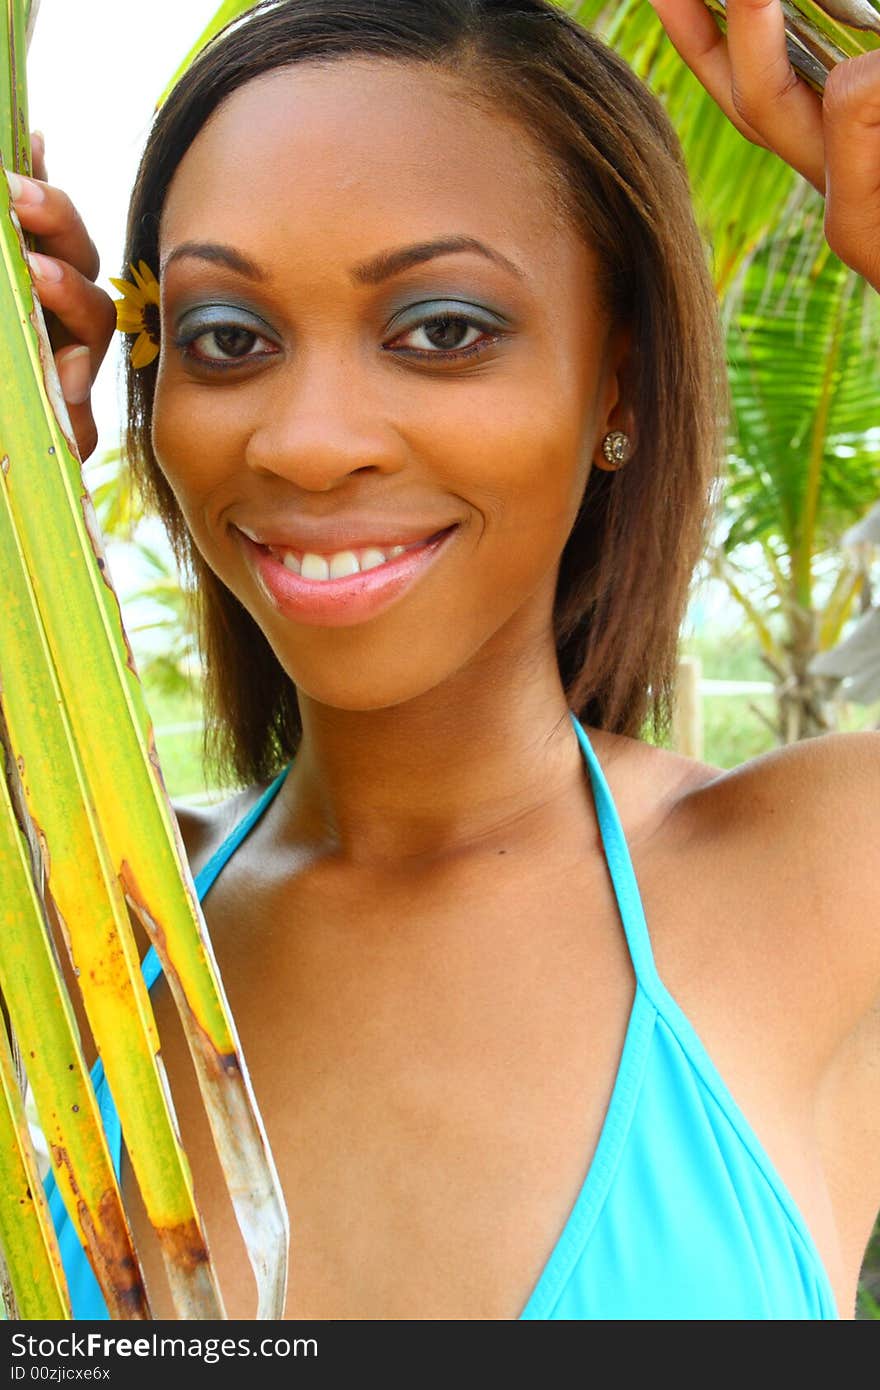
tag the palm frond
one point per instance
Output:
(83, 775)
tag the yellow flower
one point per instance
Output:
(138, 312)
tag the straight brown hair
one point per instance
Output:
(626, 569)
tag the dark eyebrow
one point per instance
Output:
(216, 254)
(371, 272)
(389, 263)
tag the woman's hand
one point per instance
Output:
(80, 316)
(834, 142)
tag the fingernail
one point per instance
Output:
(24, 190)
(44, 267)
(75, 374)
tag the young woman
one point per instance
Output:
(544, 1021)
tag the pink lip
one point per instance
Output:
(341, 602)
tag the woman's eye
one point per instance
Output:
(446, 335)
(224, 344)
(227, 342)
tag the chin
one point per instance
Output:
(360, 689)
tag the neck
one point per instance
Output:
(427, 779)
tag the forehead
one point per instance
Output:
(368, 151)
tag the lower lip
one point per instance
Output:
(342, 602)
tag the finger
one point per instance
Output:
(852, 142)
(38, 155)
(694, 34)
(85, 431)
(52, 218)
(86, 314)
(852, 114)
(767, 91)
(750, 77)
(74, 366)
(75, 375)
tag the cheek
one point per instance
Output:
(536, 470)
(541, 441)
(192, 450)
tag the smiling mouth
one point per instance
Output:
(323, 568)
(343, 587)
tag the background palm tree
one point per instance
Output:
(803, 348)
(803, 463)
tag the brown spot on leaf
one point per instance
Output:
(183, 1245)
(109, 1248)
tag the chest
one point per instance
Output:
(434, 1063)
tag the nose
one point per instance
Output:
(322, 421)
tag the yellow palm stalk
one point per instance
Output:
(79, 735)
(34, 1285)
(29, 978)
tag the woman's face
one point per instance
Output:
(377, 331)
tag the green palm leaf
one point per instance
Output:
(83, 776)
(805, 379)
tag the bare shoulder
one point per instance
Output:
(649, 785)
(204, 828)
(832, 781)
(801, 825)
(820, 801)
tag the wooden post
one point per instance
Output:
(687, 719)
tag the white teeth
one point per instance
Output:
(339, 565)
(314, 567)
(343, 563)
(371, 558)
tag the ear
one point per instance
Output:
(616, 414)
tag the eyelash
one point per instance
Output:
(491, 335)
(184, 342)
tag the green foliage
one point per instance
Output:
(171, 665)
(804, 359)
(803, 353)
(177, 716)
(803, 463)
(741, 192)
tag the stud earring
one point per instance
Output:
(616, 447)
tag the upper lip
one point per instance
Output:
(330, 535)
